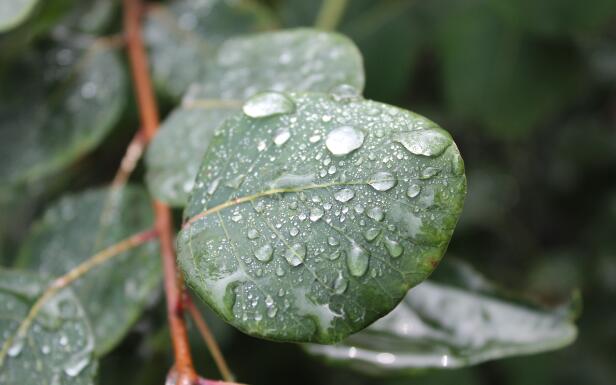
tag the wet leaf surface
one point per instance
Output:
(14, 12)
(332, 210)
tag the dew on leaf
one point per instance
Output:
(268, 104)
(340, 284)
(295, 254)
(344, 195)
(357, 259)
(345, 93)
(252, 234)
(375, 213)
(382, 181)
(282, 136)
(264, 253)
(413, 190)
(316, 214)
(371, 234)
(429, 142)
(394, 248)
(344, 140)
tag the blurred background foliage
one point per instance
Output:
(528, 90)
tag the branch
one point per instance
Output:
(74, 274)
(209, 339)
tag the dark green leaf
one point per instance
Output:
(50, 118)
(323, 210)
(299, 60)
(57, 348)
(454, 319)
(114, 294)
(14, 12)
(183, 36)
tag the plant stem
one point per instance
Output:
(330, 14)
(71, 276)
(210, 341)
(149, 125)
(129, 161)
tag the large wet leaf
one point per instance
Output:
(183, 36)
(57, 348)
(454, 319)
(293, 60)
(50, 118)
(114, 294)
(14, 12)
(313, 214)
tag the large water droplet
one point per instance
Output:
(340, 284)
(272, 311)
(281, 137)
(252, 234)
(375, 213)
(357, 259)
(295, 254)
(343, 140)
(316, 214)
(268, 104)
(429, 172)
(371, 234)
(382, 181)
(394, 248)
(430, 142)
(292, 181)
(344, 195)
(76, 365)
(413, 190)
(264, 253)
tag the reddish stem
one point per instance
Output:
(164, 226)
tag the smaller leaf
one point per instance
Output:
(58, 346)
(114, 294)
(14, 12)
(299, 60)
(454, 319)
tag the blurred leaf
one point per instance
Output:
(57, 348)
(299, 60)
(333, 208)
(183, 36)
(88, 16)
(50, 118)
(454, 319)
(515, 87)
(14, 12)
(77, 227)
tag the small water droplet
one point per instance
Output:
(344, 195)
(76, 365)
(345, 93)
(279, 271)
(236, 217)
(314, 138)
(264, 253)
(316, 214)
(343, 140)
(252, 234)
(357, 259)
(236, 182)
(294, 231)
(268, 104)
(371, 234)
(375, 213)
(335, 255)
(295, 254)
(333, 241)
(340, 284)
(211, 188)
(269, 301)
(382, 181)
(394, 248)
(281, 137)
(16, 347)
(429, 172)
(413, 190)
(429, 142)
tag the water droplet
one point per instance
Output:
(88, 90)
(316, 214)
(292, 181)
(382, 181)
(394, 248)
(333, 241)
(343, 140)
(271, 312)
(16, 347)
(211, 188)
(281, 137)
(357, 259)
(236, 182)
(279, 271)
(375, 213)
(457, 164)
(340, 284)
(295, 254)
(335, 255)
(268, 104)
(264, 253)
(371, 234)
(314, 138)
(345, 93)
(236, 217)
(413, 190)
(430, 142)
(429, 172)
(45, 349)
(252, 234)
(76, 365)
(269, 301)
(294, 231)
(344, 195)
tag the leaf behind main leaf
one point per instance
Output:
(313, 214)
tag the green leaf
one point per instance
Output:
(522, 84)
(114, 294)
(14, 12)
(50, 118)
(299, 60)
(57, 348)
(454, 319)
(183, 36)
(313, 214)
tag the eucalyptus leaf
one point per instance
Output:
(298, 60)
(184, 35)
(50, 118)
(454, 319)
(78, 226)
(57, 347)
(14, 12)
(333, 208)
